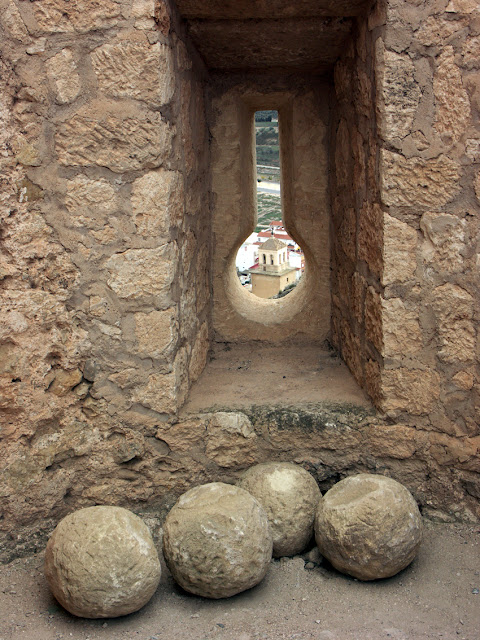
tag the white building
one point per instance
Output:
(297, 260)
(247, 253)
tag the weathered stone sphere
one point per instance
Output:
(368, 526)
(290, 496)
(217, 541)
(101, 562)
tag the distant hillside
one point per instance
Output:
(267, 147)
(266, 116)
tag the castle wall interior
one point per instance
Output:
(127, 183)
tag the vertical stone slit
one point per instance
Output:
(263, 260)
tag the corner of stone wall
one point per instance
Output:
(405, 224)
(357, 220)
(106, 239)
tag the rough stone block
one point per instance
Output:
(119, 143)
(156, 332)
(347, 233)
(139, 273)
(453, 307)
(471, 83)
(202, 277)
(12, 20)
(438, 30)
(398, 93)
(415, 391)
(402, 335)
(144, 13)
(363, 93)
(464, 380)
(184, 435)
(444, 243)
(343, 82)
(477, 186)
(189, 250)
(373, 319)
(377, 16)
(137, 70)
(231, 439)
(343, 153)
(64, 381)
(415, 182)
(158, 202)
(81, 16)
(199, 355)
(370, 237)
(352, 351)
(359, 288)
(399, 251)
(463, 6)
(143, 8)
(447, 450)
(472, 149)
(451, 98)
(471, 53)
(63, 76)
(159, 394)
(28, 155)
(396, 441)
(84, 194)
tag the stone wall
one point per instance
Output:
(105, 244)
(357, 233)
(108, 235)
(406, 221)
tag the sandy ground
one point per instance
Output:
(261, 374)
(436, 598)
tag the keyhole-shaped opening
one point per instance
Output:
(269, 263)
(238, 313)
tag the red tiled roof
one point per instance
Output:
(280, 236)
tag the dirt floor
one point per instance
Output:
(261, 374)
(437, 597)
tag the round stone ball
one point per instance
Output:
(101, 562)
(217, 541)
(368, 526)
(290, 496)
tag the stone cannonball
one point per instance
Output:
(368, 526)
(101, 562)
(217, 541)
(289, 495)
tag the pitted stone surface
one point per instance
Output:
(289, 495)
(135, 70)
(81, 16)
(368, 526)
(62, 73)
(217, 541)
(119, 143)
(418, 182)
(398, 93)
(101, 562)
(137, 273)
